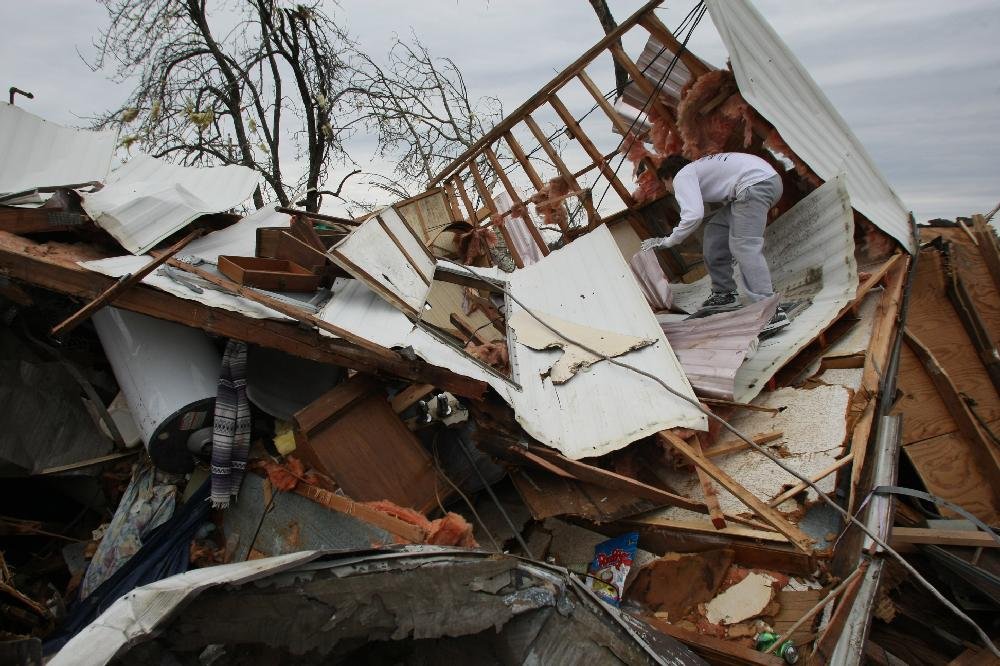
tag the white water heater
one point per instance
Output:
(169, 374)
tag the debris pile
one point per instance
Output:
(190, 389)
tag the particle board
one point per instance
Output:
(547, 495)
(949, 470)
(352, 434)
(975, 274)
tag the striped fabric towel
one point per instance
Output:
(231, 429)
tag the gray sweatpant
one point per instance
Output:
(737, 232)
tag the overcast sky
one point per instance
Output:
(917, 80)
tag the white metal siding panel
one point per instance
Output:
(148, 199)
(776, 84)
(37, 153)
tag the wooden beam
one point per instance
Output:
(552, 86)
(27, 261)
(107, 296)
(522, 159)
(799, 487)
(644, 85)
(876, 360)
(516, 199)
(346, 221)
(591, 150)
(498, 220)
(724, 448)
(409, 397)
(593, 218)
(36, 220)
(291, 311)
(602, 102)
(706, 527)
(709, 490)
(797, 537)
(452, 196)
(922, 535)
(472, 215)
(662, 34)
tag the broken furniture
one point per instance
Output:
(352, 434)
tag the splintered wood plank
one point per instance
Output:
(795, 604)
(989, 249)
(608, 479)
(709, 490)
(716, 650)
(938, 537)
(772, 517)
(949, 469)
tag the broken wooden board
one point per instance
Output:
(949, 469)
(717, 650)
(797, 537)
(352, 434)
(794, 604)
(528, 331)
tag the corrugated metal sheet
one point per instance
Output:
(810, 250)
(148, 199)
(712, 350)
(603, 408)
(653, 63)
(776, 84)
(37, 153)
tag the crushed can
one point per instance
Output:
(786, 650)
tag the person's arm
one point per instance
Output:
(687, 191)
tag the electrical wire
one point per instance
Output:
(763, 451)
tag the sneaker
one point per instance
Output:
(722, 301)
(779, 321)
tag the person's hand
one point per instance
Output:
(656, 244)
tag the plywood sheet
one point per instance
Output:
(949, 470)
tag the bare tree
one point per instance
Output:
(609, 24)
(420, 107)
(218, 85)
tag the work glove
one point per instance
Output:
(656, 244)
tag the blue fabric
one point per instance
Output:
(164, 553)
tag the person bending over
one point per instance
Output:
(748, 187)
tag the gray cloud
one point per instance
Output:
(915, 79)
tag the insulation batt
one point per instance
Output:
(650, 187)
(726, 128)
(549, 202)
(452, 530)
